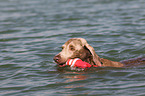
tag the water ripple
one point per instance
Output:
(32, 32)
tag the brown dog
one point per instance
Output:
(79, 48)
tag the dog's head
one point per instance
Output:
(77, 48)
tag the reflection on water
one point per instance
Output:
(76, 77)
(72, 79)
(32, 31)
(70, 76)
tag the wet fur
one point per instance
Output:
(79, 48)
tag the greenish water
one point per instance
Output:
(32, 32)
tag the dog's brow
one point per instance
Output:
(71, 45)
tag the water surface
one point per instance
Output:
(32, 32)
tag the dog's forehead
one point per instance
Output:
(76, 42)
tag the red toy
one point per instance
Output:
(78, 63)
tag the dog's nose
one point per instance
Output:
(56, 58)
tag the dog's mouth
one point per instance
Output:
(61, 65)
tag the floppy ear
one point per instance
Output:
(96, 58)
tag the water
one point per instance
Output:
(32, 32)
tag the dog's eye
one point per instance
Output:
(72, 48)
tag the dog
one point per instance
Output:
(79, 48)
